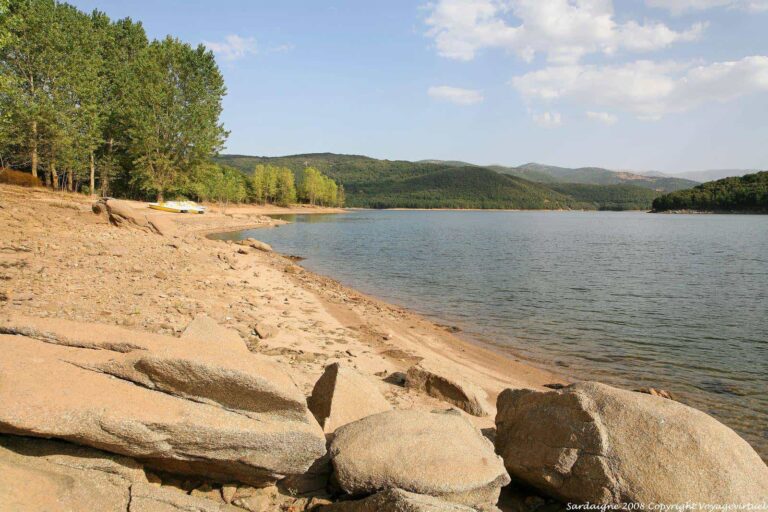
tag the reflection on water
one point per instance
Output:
(671, 301)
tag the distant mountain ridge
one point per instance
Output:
(587, 176)
(375, 183)
(709, 175)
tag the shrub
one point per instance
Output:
(22, 179)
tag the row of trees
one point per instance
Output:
(90, 104)
(274, 184)
(85, 100)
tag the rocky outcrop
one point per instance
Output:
(204, 328)
(121, 213)
(341, 395)
(592, 442)
(397, 500)
(439, 454)
(443, 382)
(44, 476)
(38, 475)
(183, 406)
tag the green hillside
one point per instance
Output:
(593, 176)
(460, 187)
(748, 193)
(373, 183)
(609, 197)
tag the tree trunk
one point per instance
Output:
(92, 188)
(54, 175)
(33, 149)
(106, 168)
(70, 181)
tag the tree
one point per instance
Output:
(286, 188)
(29, 65)
(311, 185)
(173, 117)
(219, 183)
(121, 44)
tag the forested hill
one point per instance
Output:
(748, 194)
(373, 183)
(593, 176)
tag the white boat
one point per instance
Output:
(178, 207)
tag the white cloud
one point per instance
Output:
(648, 89)
(680, 6)
(564, 30)
(602, 117)
(455, 95)
(547, 119)
(233, 47)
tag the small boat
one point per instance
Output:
(178, 207)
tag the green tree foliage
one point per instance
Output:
(121, 43)
(219, 183)
(316, 188)
(286, 188)
(273, 184)
(748, 193)
(609, 197)
(173, 115)
(91, 104)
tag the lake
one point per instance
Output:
(678, 302)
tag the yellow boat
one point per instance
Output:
(178, 207)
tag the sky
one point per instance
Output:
(666, 85)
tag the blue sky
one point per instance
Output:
(669, 85)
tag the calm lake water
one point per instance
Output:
(678, 302)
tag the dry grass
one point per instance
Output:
(22, 179)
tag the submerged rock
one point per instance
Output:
(255, 244)
(590, 442)
(178, 405)
(434, 453)
(341, 395)
(442, 382)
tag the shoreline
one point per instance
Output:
(444, 326)
(239, 290)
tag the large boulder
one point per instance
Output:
(38, 475)
(397, 500)
(255, 244)
(183, 406)
(341, 395)
(121, 213)
(590, 442)
(434, 453)
(443, 382)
